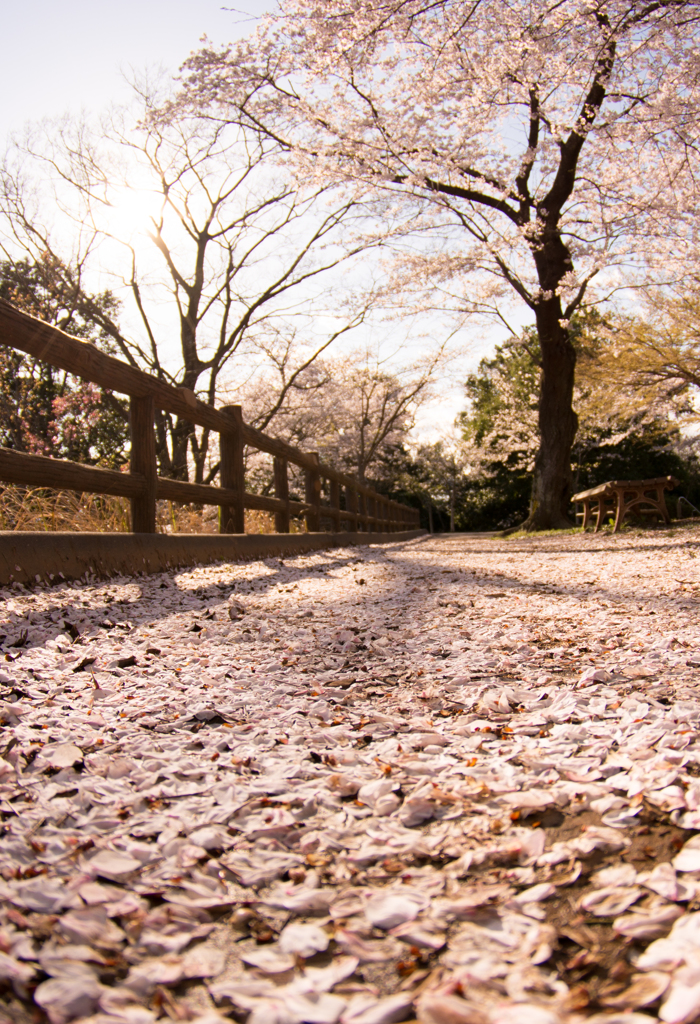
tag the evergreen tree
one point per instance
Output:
(45, 411)
(623, 433)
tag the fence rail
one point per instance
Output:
(351, 505)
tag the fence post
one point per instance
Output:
(313, 497)
(335, 504)
(232, 471)
(143, 460)
(279, 466)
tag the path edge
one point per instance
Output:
(32, 558)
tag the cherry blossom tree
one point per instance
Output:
(357, 411)
(370, 409)
(530, 146)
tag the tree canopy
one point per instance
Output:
(659, 350)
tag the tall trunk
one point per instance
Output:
(452, 497)
(180, 439)
(162, 427)
(200, 450)
(552, 482)
(183, 429)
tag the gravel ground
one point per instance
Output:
(453, 780)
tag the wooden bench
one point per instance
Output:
(618, 497)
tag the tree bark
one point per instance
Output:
(552, 480)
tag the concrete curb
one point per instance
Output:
(53, 557)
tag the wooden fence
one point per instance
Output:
(351, 505)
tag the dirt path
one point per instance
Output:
(453, 780)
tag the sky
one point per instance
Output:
(66, 57)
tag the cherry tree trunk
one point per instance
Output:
(550, 507)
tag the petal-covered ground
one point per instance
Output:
(453, 780)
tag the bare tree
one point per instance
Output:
(205, 236)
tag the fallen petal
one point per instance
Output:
(303, 939)
(609, 901)
(645, 989)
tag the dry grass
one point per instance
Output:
(27, 509)
(264, 522)
(172, 518)
(38, 509)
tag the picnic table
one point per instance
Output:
(619, 497)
